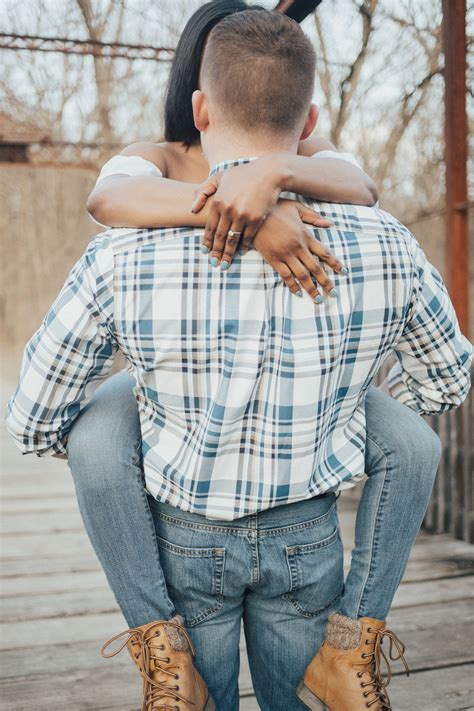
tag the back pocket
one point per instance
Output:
(195, 579)
(316, 574)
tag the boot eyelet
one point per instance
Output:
(367, 641)
(359, 674)
(370, 630)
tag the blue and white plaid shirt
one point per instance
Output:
(248, 396)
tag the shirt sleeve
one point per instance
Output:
(348, 157)
(432, 374)
(128, 165)
(65, 360)
(133, 166)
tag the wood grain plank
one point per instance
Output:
(449, 689)
(52, 584)
(99, 599)
(431, 642)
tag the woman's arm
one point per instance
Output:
(331, 179)
(144, 200)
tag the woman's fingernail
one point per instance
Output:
(225, 265)
(193, 206)
(299, 293)
(344, 270)
(319, 299)
(242, 252)
(333, 292)
(204, 249)
(214, 261)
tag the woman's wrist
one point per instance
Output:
(279, 169)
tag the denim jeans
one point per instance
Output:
(104, 447)
(279, 571)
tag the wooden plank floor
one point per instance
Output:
(57, 610)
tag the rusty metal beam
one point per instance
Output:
(457, 259)
(112, 50)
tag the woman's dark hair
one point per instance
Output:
(184, 74)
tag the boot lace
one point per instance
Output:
(375, 689)
(155, 693)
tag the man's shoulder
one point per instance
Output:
(125, 239)
(365, 222)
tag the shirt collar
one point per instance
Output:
(227, 164)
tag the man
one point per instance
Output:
(251, 400)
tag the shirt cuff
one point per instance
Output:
(399, 389)
(128, 165)
(348, 157)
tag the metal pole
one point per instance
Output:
(454, 36)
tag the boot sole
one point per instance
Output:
(309, 699)
(210, 705)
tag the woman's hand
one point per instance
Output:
(285, 243)
(243, 197)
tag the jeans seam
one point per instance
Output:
(162, 583)
(374, 547)
(281, 530)
(305, 613)
(304, 548)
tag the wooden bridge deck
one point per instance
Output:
(57, 610)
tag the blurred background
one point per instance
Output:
(66, 110)
(79, 79)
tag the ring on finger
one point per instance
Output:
(232, 233)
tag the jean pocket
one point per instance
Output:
(316, 574)
(195, 579)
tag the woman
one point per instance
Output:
(105, 443)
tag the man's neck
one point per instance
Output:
(228, 148)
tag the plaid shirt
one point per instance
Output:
(248, 396)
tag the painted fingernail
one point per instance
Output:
(225, 265)
(204, 249)
(344, 270)
(299, 293)
(242, 252)
(319, 299)
(334, 292)
(214, 261)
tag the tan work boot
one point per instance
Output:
(345, 674)
(163, 653)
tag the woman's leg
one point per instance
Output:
(104, 451)
(402, 455)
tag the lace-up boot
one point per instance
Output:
(163, 653)
(345, 675)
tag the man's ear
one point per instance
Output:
(310, 123)
(200, 112)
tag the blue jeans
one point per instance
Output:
(279, 571)
(104, 448)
